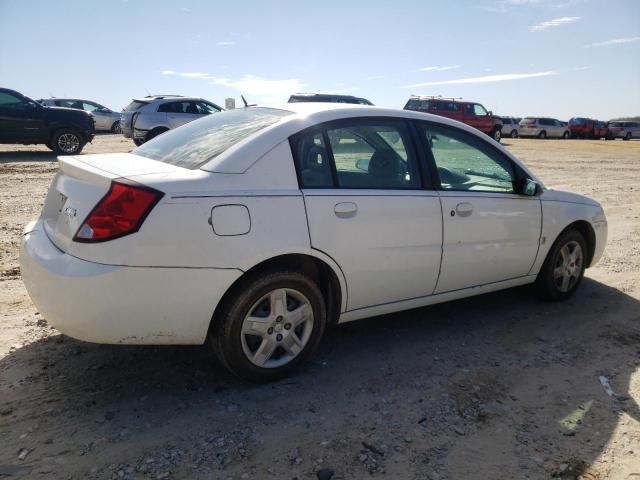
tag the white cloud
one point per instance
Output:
(254, 85)
(486, 79)
(556, 22)
(224, 44)
(615, 41)
(438, 68)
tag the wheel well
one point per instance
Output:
(589, 235)
(322, 274)
(156, 131)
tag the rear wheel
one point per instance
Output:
(542, 135)
(565, 135)
(514, 134)
(67, 142)
(269, 325)
(563, 269)
(627, 136)
(115, 128)
(497, 134)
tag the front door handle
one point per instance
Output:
(345, 209)
(464, 209)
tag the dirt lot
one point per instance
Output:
(500, 386)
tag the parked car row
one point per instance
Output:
(589, 128)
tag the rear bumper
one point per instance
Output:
(119, 304)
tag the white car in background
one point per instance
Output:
(542, 127)
(509, 127)
(257, 227)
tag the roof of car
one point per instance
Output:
(241, 156)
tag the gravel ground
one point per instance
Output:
(500, 386)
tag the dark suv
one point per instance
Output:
(471, 113)
(327, 97)
(23, 121)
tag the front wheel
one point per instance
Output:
(565, 135)
(269, 325)
(67, 142)
(563, 269)
(115, 128)
(542, 135)
(627, 136)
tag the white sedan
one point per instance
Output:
(257, 227)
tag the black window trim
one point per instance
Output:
(519, 173)
(412, 147)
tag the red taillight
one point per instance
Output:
(120, 212)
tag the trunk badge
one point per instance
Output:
(70, 212)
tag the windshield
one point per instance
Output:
(194, 144)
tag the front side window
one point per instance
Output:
(91, 107)
(196, 143)
(466, 163)
(10, 101)
(479, 110)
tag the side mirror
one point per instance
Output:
(490, 113)
(528, 187)
(363, 165)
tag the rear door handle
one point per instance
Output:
(345, 209)
(463, 209)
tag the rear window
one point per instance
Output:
(528, 121)
(195, 143)
(135, 105)
(419, 105)
(577, 121)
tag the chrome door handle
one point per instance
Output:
(345, 209)
(464, 209)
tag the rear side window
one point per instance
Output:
(194, 144)
(135, 105)
(369, 154)
(417, 105)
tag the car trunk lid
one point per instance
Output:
(81, 183)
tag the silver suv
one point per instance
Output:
(106, 119)
(624, 130)
(542, 127)
(509, 127)
(148, 117)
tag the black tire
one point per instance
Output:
(565, 136)
(547, 282)
(574, 135)
(115, 128)
(138, 141)
(67, 142)
(542, 135)
(154, 133)
(627, 137)
(496, 134)
(514, 134)
(225, 334)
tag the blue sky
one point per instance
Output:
(559, 58)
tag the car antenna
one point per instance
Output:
(245, 102)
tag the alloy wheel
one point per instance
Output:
(568, 266)
(277, 328)
(68, 142)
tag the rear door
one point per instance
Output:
(367, 209)
(491, 233)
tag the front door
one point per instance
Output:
(477, 116)
(20, 119)
(367, 209)
(491, 233)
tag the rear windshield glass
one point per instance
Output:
(528, 121)
(195, 143)
(135, 105)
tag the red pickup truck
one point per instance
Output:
(471, 113)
